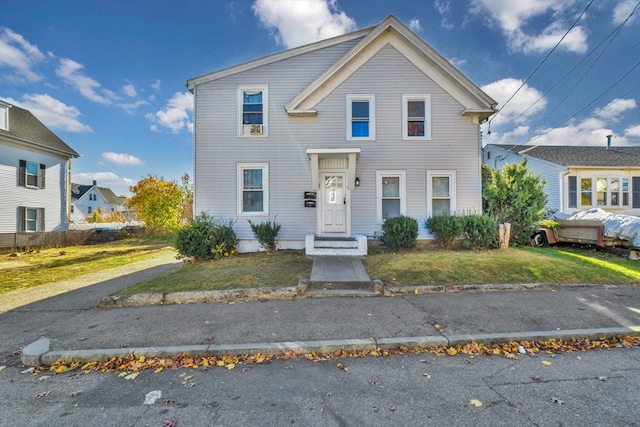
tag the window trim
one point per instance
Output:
(608, 192)
(403, 191)
(371, 99)
(22, 219)
(451, 174)
(265, 110)
(426, 98)
(41, 170)
(265, 188)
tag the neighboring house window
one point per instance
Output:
(601, 191)
(253, 189)
(416, 117)
(573, 192)
(252, 110)
(361, 117)
(391, 194)
(30, 219)
(71, 208)
(89, 209)
(31, 174)
(441, 192)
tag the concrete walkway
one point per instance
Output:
(338, 269)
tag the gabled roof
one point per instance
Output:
(579, 156)
(389, 32)
(78, 190)
(24, 127)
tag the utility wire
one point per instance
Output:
(543, 61)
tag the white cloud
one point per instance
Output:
(582, 134)
(104, 179)
(444, 9)
(514, 15)
(175, 115)
(53, 113)
(415, 26)
(633, 131)
(623, 9)
(502, 90)
(298, 22)
(615, 108)
(71, 72)
(130, 107)
(122, 159)
(156, 84)
(19, 55)
(130, 90)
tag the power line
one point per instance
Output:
(543, 61)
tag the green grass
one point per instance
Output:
(39, 267)
(427, 266)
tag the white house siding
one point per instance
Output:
(51, 198)
(454, 146)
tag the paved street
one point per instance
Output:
(598, 388)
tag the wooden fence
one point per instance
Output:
(26, 241)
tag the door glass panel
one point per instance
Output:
(333, 189)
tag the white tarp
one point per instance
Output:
(617, 226)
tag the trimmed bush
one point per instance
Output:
(479, 232)
(446, 229)
(400, 232)
(205, 238)
(267, 234)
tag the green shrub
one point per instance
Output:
(203, 238)
(479, 232)
(267, 234)
(400, 232)
(445, 228)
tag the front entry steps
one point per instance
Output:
(339, 276)
(336, 246)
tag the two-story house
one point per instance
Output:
(87, 199)
(35, 171)
(332, 138)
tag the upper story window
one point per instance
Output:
(252, 110)
(416, 117)
(31, 174)
(361, 117)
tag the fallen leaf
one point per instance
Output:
(452, 351)
(536, 378)
(44, 378)
(231, 366)
(132, 376)
(170, 423)
(2, 367)
(546, 363)
(151, 397)
(475, 402)
(603, 378)
(393, 408)
(556, 400)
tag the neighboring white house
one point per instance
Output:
(579, 178)
(87, 199)
(332, 138)
(35, 168)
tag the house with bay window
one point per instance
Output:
(35, 169)
(579, 178)
(332, 138)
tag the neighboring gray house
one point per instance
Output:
(86, 199)
(332, 138)
(35, 168)
(579, 178)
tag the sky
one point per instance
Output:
(108, 77)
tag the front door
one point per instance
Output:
(334, 203)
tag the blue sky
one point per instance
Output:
(109, 76)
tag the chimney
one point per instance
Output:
(95, 182)
(608, 142)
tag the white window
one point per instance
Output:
(253, 114)
(602, 191)
(390, 194)
(416, 117)
(31, 174)
(441, 192)
(253, 189)
(31, 219)
(361, 117)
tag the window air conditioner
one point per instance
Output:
(252, 129)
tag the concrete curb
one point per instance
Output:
(38, 352)
(302, 291)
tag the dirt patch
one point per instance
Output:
(8, 265)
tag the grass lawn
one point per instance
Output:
(425, 266)
(39, 267)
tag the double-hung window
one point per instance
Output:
(361, 117)
(31, 174)
(599, 191)
(391, 194)
(441, 192)
(253, 189)
(252, 110)
(416, 117)
(30, 219)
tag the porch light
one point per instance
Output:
(357, 182)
